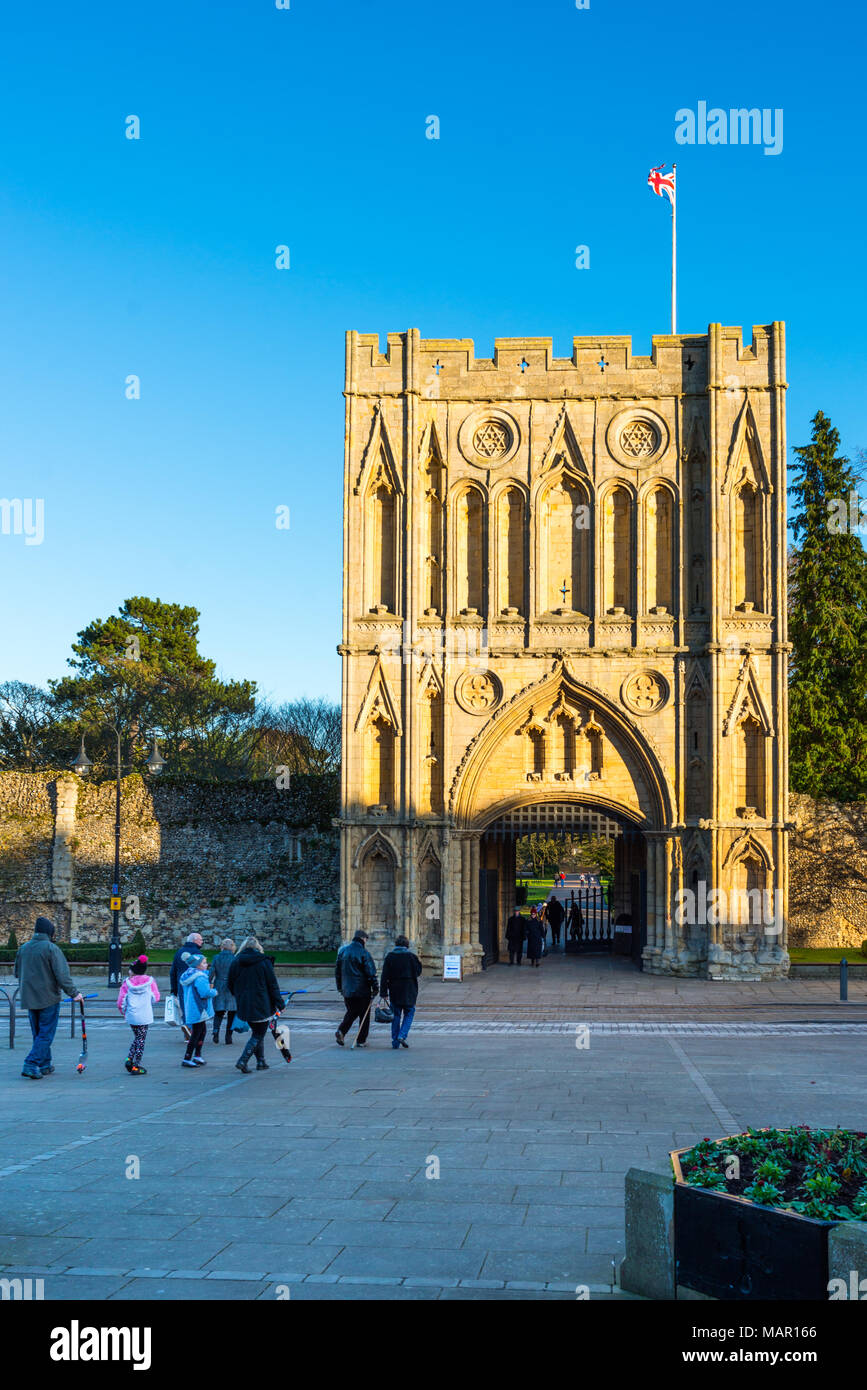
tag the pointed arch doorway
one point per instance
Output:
(611, 907)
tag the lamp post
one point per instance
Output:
(81, 765)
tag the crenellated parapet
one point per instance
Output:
(601, 365)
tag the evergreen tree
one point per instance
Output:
(141, 671)
(827, 625)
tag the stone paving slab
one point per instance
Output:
(192, 1251)
(394, 1235)
(311, 1258)
(153, 1290)
(412, 1259)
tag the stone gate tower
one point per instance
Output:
(564, 586)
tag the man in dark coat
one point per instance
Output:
(355, 976)
(399, 985)
(43, 972)
(516, 931)
(535, 938)
(556, 914)
(192, 946)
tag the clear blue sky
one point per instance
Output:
(306, 127)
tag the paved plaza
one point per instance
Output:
(487, 1162)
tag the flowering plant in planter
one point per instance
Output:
(819, 1173)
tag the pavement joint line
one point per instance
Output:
(720, 1112)
(116, 1129)
(247, 1276)
(601, 1027)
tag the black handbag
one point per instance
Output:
(383, 1015)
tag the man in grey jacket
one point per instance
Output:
(44, 974)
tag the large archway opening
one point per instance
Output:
(599, 858)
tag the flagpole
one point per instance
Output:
(674, 255)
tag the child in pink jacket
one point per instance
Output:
(136, 1000)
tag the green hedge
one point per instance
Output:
(97, 952)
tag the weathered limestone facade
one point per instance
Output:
(564, 585)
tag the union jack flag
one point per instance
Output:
(662, 183)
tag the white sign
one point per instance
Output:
(451, 967)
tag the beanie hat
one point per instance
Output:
(44, 925)
(194, 959)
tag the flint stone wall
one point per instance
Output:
(827, 873)
(227, 859)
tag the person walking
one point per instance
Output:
(576, 922)
(556, 913)
(399, 985)
(252, 981)
(43, 973)
(180, 962)
(198, 1008)
(535, 938)
(224, 1003)
(355, 976)
(136, 1000)
(516, 931)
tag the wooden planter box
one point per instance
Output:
(728, 1247)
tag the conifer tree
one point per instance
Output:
(827, 624)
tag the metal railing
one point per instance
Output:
(10, 1000)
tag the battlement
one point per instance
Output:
(527, 365)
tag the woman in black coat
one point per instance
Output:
(535, 938)
(252, 981)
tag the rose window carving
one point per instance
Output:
(645, 692)
(478, 692)
(639, 439)
(492, 440)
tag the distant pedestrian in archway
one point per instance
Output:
(576, 922)
(556, 913)
(535, 938)
(516, 931)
